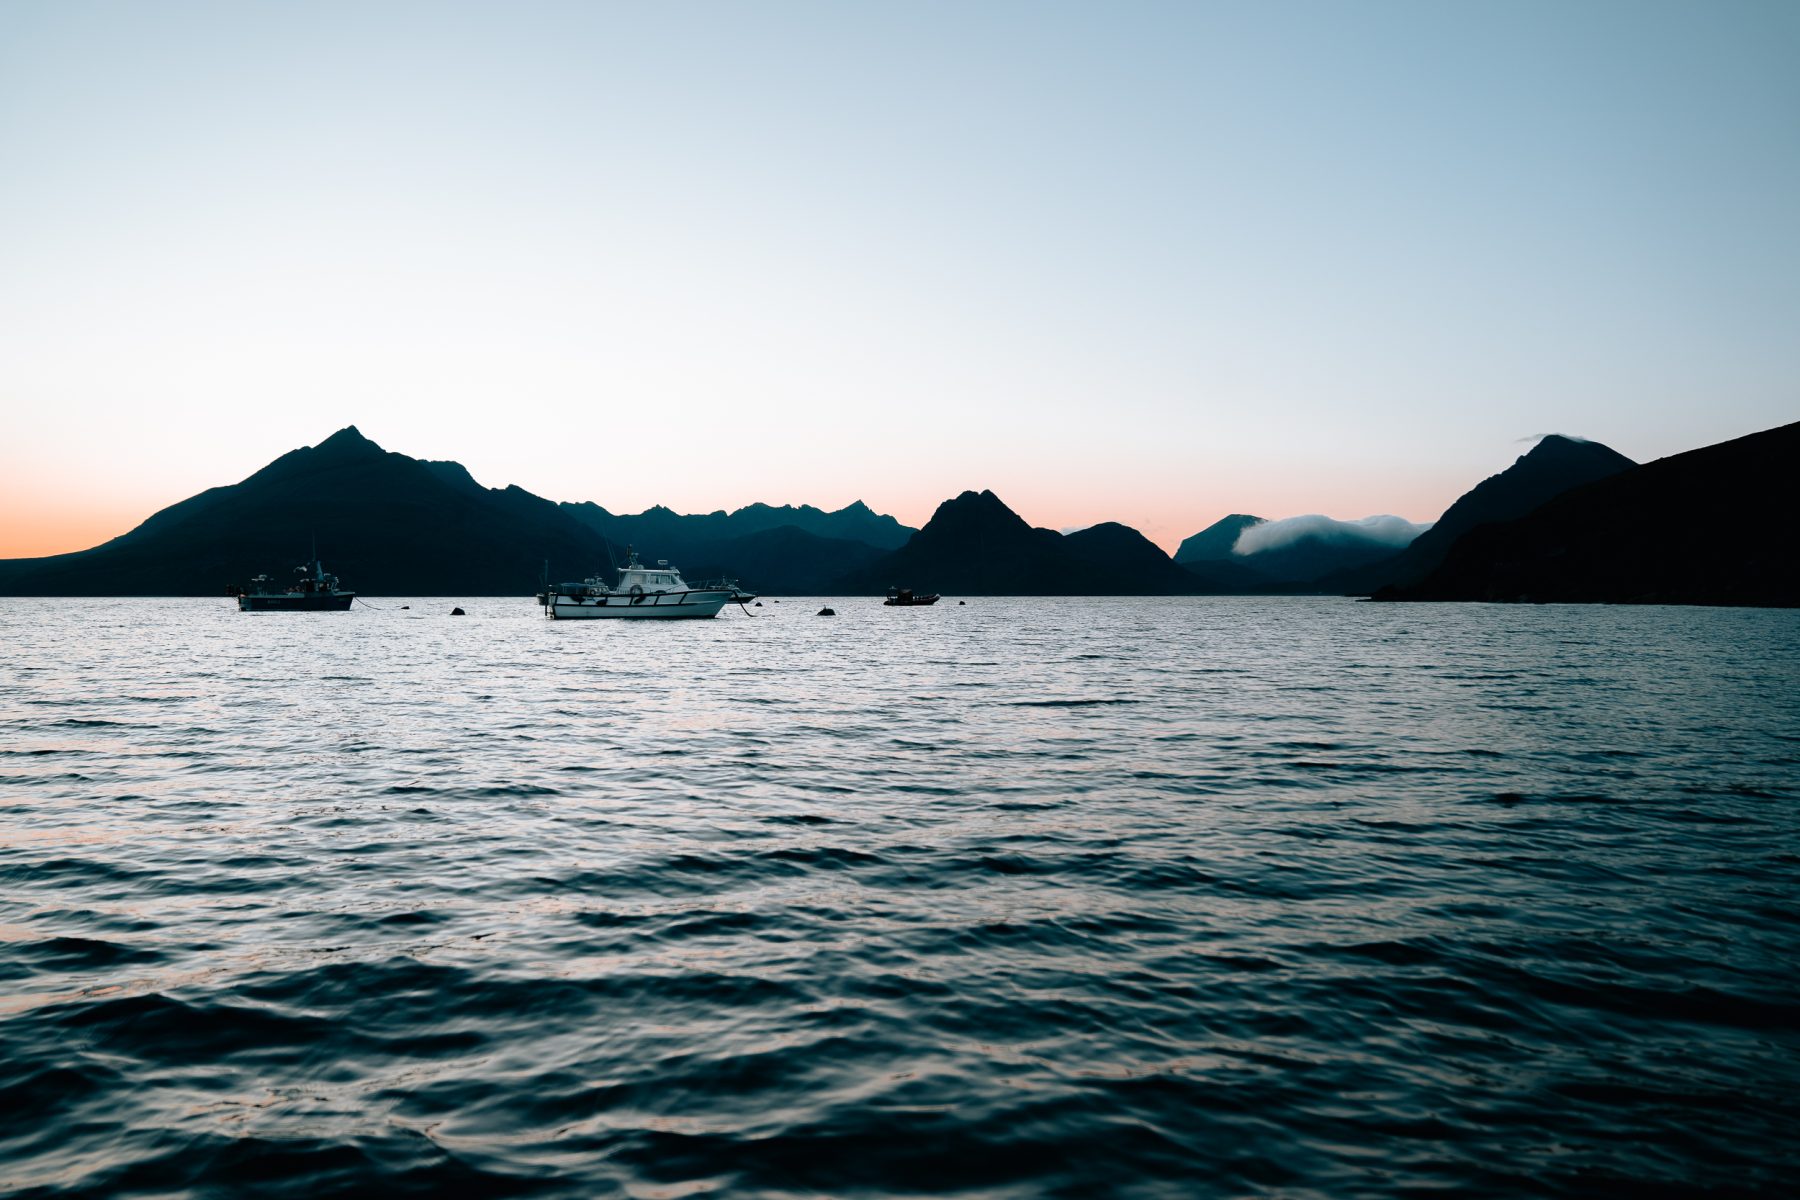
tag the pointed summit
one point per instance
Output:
(346, 442)
(1711, 526)
(1550, 468)
(977, 546)
(389, 523)
(979, 515)
(1558, 447)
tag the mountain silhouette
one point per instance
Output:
(974, 545)
(1214, 543)
(387, 524)
(1112, 549)
(787, 550)
(855, 522)
(782, 561)
(1550, 468)
(1711, 526)
(1294, 552)
(1302, 549)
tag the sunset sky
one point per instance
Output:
(1136, 262)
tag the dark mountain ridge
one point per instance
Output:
(1710, 526)
(974, 545)
(781, 561)
(1550, 468)
(391, 525)
(781, 549)
(386, 523)
(855, 522)
(1215, 542)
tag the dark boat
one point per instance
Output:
(314, 591)
(903, 597)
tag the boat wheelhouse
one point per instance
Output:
(641, 592)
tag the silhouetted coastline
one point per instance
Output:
(1571, 521)
(1712, 526)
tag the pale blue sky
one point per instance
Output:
(1151, 263)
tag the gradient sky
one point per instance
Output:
(1138, 262)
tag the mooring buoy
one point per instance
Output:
(457, 612)
(826, 612)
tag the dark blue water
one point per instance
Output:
(1025, 898)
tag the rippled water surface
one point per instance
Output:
(1023, 898)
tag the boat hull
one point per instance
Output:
(298, 602)
(652, 606)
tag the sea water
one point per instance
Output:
(1017, 898)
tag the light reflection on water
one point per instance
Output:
(1020, 898)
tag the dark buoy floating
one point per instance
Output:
(405, 607)
(828, 612)
(962, 601)
(457, 612)
(759, 603)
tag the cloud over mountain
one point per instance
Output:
(1392, 532)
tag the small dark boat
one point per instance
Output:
(314, 591)
(739, 594)
(903, 597)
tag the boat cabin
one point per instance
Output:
(638, 579)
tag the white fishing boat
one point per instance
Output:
(642, 592)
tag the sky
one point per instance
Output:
(1153, 263)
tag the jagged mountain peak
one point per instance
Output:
(1702, 527)
(973, 508)
(387, 522)
(974, 544)
(348, 440)
(1556, 465)
(1560, 447)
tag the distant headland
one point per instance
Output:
(1571, 520)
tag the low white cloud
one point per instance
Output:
(1394, 532)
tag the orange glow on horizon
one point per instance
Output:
(38, 525)
(61, 532)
